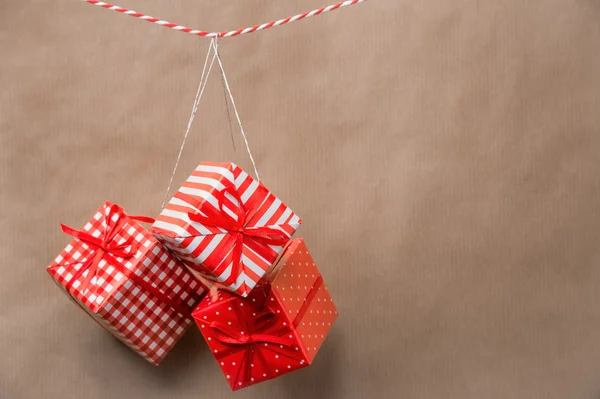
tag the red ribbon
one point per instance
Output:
(227, 335)
(258, 238)
(106, 249)
(251, 343)
(307, 301)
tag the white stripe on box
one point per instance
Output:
(226, 173)
(269, 213)
(230, 213)
(243, 278)
(170, 240)
(208, 181)
(179, 202)
(180, 231)
(249, 282)
(225, 275)
(238, 282)
(185, 218)
(194, 244)
(249, 191)
(252, 266)
(194, 192)
(231, 198)
(295, 222)
(216, 239)
(284, 216)
(241, 178)
(277, 248)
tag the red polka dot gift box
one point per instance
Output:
(226, 225)
(128, 282)
(279, 327)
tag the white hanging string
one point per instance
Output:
(215, 44)
(199, 92)
(214, 47)
(227, 106)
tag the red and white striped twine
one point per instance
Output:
(223, 34)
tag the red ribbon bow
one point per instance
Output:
(260, 331)
(102, 247)
(227, 335)
(254, 341)
(106, 248)
(257, 238)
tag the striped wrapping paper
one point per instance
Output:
(197, 225)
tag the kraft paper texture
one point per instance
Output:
(443, 155)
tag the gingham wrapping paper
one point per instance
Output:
(199, 246)
(143, 322)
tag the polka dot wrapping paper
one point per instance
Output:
(278, 328)
(226, 225)
(128, 282)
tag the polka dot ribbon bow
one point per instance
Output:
(228, 335)
(268, 333)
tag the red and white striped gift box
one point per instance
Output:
(128, 282)
(226, 225)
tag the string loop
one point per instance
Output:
(214, 49)
(199, 92)
(237, 115)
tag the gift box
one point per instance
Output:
(226, 225)
(128, 282)
(279, 327)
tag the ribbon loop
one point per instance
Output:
(266, 334)
(267, 235)
(123, 250)
(229, 336)
(100, 247)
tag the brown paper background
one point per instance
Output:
(444, 155)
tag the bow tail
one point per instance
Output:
(236, 261)
(113, 227)
(245, 371)
(260, 240)
(268, 235)
(92, 267)
(264, 364)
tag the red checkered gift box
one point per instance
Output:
(226, 225)
(279, 327)
(128, 282)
